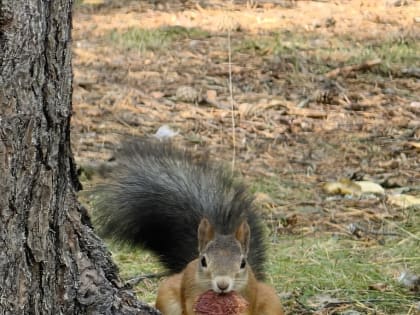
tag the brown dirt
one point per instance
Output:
(361, 124)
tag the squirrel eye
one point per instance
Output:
(243, 263)
(204, 262)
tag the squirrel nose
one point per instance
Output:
(223, 285)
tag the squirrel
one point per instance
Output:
(200, 222)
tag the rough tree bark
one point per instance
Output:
(51, 262)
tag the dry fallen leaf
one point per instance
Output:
(157, 94)
(415, 145)
(343, 187)
(380, 286)
(370, 188)
(391, 164)
(211, 95)
(403, 201)
(94, 2)
(348, 187)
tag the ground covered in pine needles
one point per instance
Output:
(320, 117)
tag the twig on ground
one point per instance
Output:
(347, 69)
(355, 229)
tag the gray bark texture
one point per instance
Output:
(51, 262)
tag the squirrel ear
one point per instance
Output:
(205, 234)
(242, 234)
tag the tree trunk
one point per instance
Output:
(51, 262)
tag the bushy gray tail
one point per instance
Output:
(157, 195)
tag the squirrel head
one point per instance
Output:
(222, 264)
